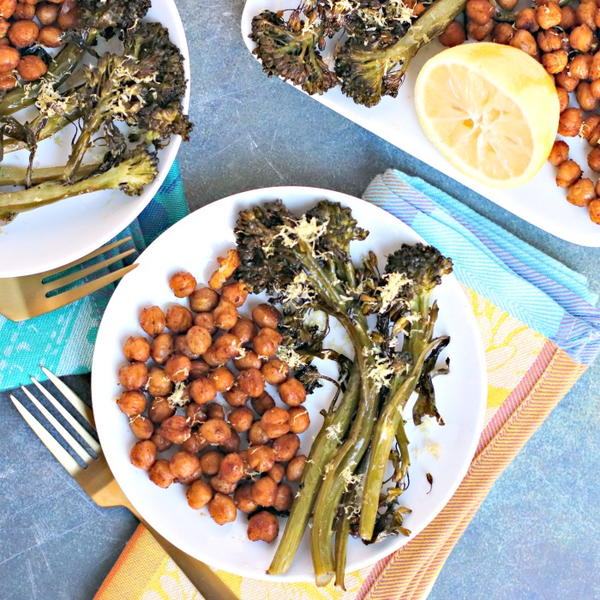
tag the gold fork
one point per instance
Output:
(25, 297)
(96, 478)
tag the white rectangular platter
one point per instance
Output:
(539, 202)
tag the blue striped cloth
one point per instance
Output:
(533, 287)
(63, 340)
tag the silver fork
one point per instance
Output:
(32, 295)
(96, 478)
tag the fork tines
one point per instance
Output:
(86, 454)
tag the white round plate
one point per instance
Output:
(193, 244)
(54, 235)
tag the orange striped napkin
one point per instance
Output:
(540, 331)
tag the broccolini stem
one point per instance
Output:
(82, 145)
(60, 69)
(402, 442)
(385, 431)
(53, 125)
(18, 175)
(321, 452)
(342, 532)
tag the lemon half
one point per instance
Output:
(490, 109)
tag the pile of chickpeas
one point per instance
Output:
(24, 25)
(565, 40)
(232, 456)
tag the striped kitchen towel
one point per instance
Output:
(63, 340)
(540, 331)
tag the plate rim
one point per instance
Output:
(587, 239)
(45, 263)
(479, 353)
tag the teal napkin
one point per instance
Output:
(63, 340)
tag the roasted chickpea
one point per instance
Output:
(182, 347)
(225, 315)
(581, 193)
(132, 403)
(566, 81)
(243, 498)
(195, 413)
(23, 34)
(244, 330)
(523, 40)
(580, 66)
(231, 468)
(68, 16)
(233, 443)
(175, 429)
(285, 447)
(593, 137)
(249, 360)
(190, 478)
(195, 443)
(559, 153)
(585, 98)
(563, 98)
(160, 473)
(222, 485)
(299, 419)
(263, 526)
(503, 33)
(51, 36)
(295, 468)
(227, 266)
(222, 509)
(508, 4)
(589, 125)
(275, 371)
(136, 349)
(292, 392)
(257, 435)
(46, 13)
(594, 72)
(263, 403)
(178, 368)
(7, 8)
(241, 419)
(264, 491)
(179, 318)
(548, 15)
(568, 173)
(283, 497)
(236, 397)
(160, 409)
(586, 13)
(581, 38)
(198, 339)
(215, 431)
(594, 210)
(160, 442)
(568, 18)
(236, 293)
(211, 358)
(182, 284)
(251, 382)
(261, 458)
(555, 62)
(275, 422)
(161, 348)
(7, 81)
(266, 342)
(570, 122)
(24, 12)
(202, 390)
(548, 41)
(141, 427)
(183, 464)
(198, 369)
(276, 472)
(203, 300)
(222, 379)
(210, 462)
(159, 383)
(152, 320)
(265, 315)
(143, 454)
(225, 347)
(526, 20)
(595, 88)
(479, 12)
(215, 411)
(199, 494)
(453, 35)
(133, 376)
(593, 159)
